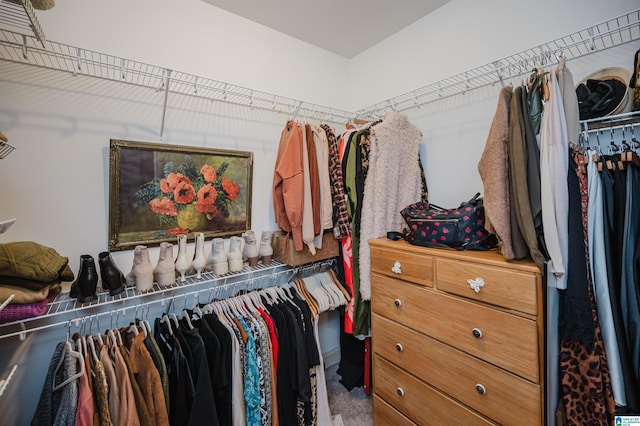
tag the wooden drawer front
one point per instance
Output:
(403, 265)
(507, 340)
(508, 399)
(384, 414)
(418, 401)
(502, 287)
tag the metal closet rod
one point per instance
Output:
(141, 302)
(614, 32)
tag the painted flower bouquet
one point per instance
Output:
(187, 196)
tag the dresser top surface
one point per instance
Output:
(490, 257)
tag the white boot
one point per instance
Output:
(182, 261)
(250, 251)
(218, 258)
(165, 271)
(143, 270)
(199, 258)
(266, 251)
(234, 256)
(131, 276)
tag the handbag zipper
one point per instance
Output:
(434, 220)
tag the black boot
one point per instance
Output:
(112, 278)
(84, 287)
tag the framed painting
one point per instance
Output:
(158, 191)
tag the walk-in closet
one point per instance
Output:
(124, 125)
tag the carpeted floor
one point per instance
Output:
(348, 408)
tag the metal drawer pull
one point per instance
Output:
(476, 284)
(400, 391)
(477, 333)
(396, 268)
(481, 389)
(398, 302)
(399, 347)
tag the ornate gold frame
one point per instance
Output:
(136, 174)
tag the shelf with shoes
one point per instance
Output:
(63, 310)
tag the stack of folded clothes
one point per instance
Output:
(33, 274)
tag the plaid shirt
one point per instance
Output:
(341, 228)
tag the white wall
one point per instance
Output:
(459, 36)
(56, 182)
(195, 37)
(464, 34)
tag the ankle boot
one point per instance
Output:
(112, 277)
(266, 251)
(217, 261)
(250, 251)
(182, 261)
(165, 270)
(199, 258)
(235, 254)
(143, 271)
(131, 277)
(84, 287)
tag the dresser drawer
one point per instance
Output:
(418, 401)
(507, 399)
(501, 287)
(503, 339)
(403, 265)
(384, 414)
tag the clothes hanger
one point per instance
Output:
(185, 316)
(175, 320)
(165, 319)
(68, 351)
(92, 347)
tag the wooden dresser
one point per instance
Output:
(457, 337)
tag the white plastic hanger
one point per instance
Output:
(165, 319)
(92, 346)
(185, 315)
(68, 351)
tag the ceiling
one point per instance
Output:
(345, 27)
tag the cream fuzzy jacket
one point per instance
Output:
(393, 182)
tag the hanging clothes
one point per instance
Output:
(554, 148)
(494, 172)
(519, 140)
(598, 270)
(58, 406)
(288, 183)
(614, 183)
(587, 396)
(392, 182)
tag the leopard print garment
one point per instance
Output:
(587, 396)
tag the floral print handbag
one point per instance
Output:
(461, 228)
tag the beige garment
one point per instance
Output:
(494, 172)
(307, 205)
(23, 295)
(149, 381)
(128, 414)
(112, 384)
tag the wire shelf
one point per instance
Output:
(21, 18)
(64, 310)
(79, 61)
(614, 32)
